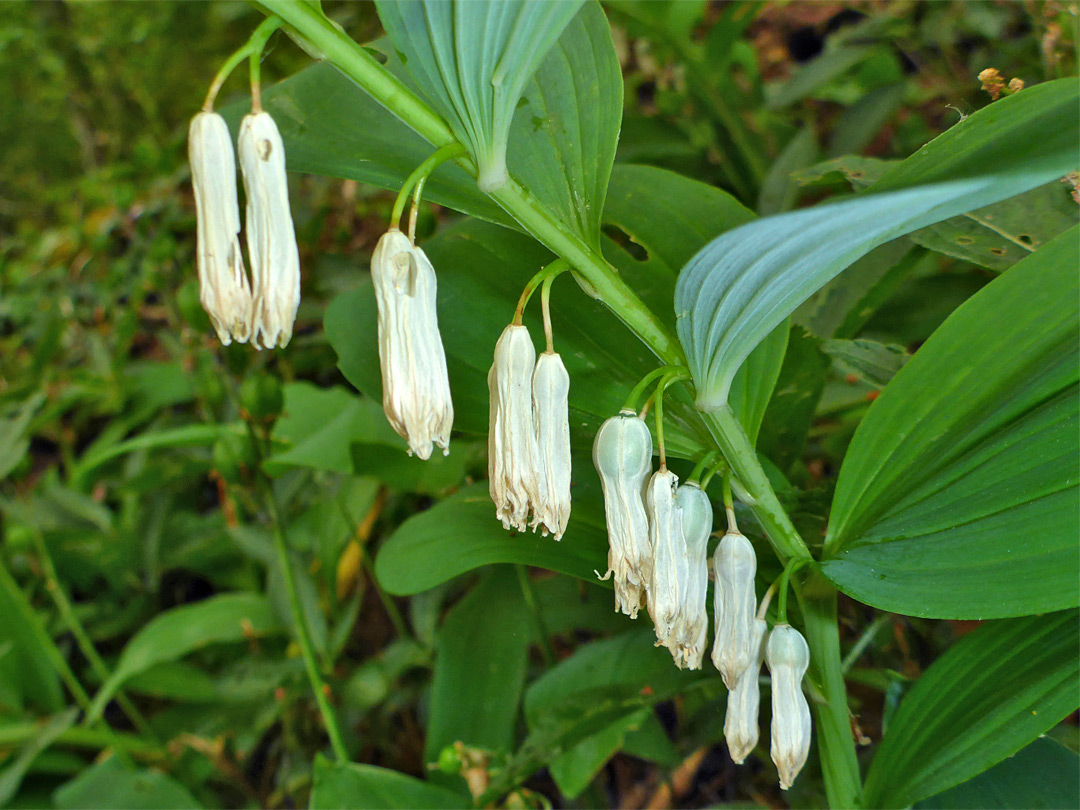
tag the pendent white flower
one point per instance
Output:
(734, 604)
(551, 415)
(275, 260)
(788, 657)
(743, 702)
(224, 288)
(670, 577)
(513, 474)
(416, 388)
(622, 455)
(692, 623)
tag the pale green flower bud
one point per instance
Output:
(271, 241)
(734, 603)
(788, 656)
(670, 578)
(551, 414)
(741, 720)
(416, 388)
(622, 454)
(692, 624)
(512, 453)
(224, 288)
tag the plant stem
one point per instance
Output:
(836, 744)
(600, 279)
(529, 595)
(733, 442)
(29, 618)
(254, 45)
(84, 738)
(864, 641)
(299, 620)
(82, 639)
(419, 177)
(699, 468)
(540, 277)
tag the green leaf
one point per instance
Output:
(626, 663)
(744, 283)
(118, 785)
(481, 653)
(778, 190)
(566, 127)
(11, 776)
(230, 617)
(351, 786)
(1043, 776)
(14, 427)
(990, 695)
(958, 495)
(877, 363)
(462, 533)
(472, 60)
(26, 666)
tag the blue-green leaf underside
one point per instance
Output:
(744, 283)
(958, 496)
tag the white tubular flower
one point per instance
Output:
(551, 414)
(691, 626)
(224, 289)
(271, 241)
(735, 565)
(416, 389)
(512, 469)
(670, 577)
(741, 720)
(622, 455)
(788, 657)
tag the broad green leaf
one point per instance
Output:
(230, 617)
(779, 191)
(185, 436)
(566, 127)
(480, 655)
(994, 236)
(332, 429)
(862, 121)
(119, 785)
(353, 786)
(472, 60)
(626, 662)
(990, 695)
(1043, 776)
(744, 283)
(462, 533)
(958, 495)
(11, 775)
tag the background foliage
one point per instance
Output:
(140, 585)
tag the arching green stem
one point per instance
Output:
(420, 175)
(665, 381)
(542, 276)
(792, 566)
(645, 382)
(729, 503)
(699, 468)
(252, 48)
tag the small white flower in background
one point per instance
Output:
(670, 578)
(734, 603)
(416, 389)
(512, 469)
(691, 626)
(551, 414)
(275, 260)
(788, 657)
(622, 455)
(224, 288)
(741, 720)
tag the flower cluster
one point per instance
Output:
(529, 435)
(658, 535)
(260, 307)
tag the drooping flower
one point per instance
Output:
(691, 626)
(551, 415)
(416, 389)
(224, 287)
(788, 657)
(670, 578)
(275, 260)
(741, 720)
(622, 455)
(734, 603)
(513, 474)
